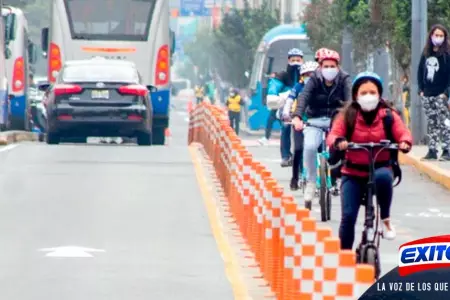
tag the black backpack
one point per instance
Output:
(388, 121)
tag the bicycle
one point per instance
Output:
(368, 249)
(323, 179)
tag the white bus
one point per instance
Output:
(23, 54)
(135, 30)
(4, 53)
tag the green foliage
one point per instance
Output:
(230, 48)
(38, 16)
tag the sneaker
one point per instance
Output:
(388, 234)
(445, 155)
(286, 162)
(310, 191)
(431, 155)
(294, 184)
(263, 141)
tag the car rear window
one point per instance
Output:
(102, 73)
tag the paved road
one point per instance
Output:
(141, 206)
(420, 209)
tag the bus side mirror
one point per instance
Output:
(172, 42)
(44, 41)
(7, 52)
(32, 53)
(43, 87)
(152, 88)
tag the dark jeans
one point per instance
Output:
(297, 164)
(235, 119)
(272, 119)
(352, 189)
(285, 141)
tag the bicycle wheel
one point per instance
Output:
(323, 191)
(372, 257)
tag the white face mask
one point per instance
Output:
(295, 64)
(437, 41)
(368, 102)
(305, 81)
(329, 73)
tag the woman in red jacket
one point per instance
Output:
(365, 113)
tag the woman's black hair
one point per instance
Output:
(358, 83)
(350, 110)
(429, 46)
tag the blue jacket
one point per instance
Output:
(283, 81)
(296, 90)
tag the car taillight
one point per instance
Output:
(135, 118)
(64, 89)
(18, 75)
(162, 66)
(54, 61)
(65, 117)
(136, 90)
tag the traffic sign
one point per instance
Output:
(190, 8)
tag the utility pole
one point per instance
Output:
(419, 19)
(282, 11)
(347, 48)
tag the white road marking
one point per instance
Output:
(70, 251)
(8, 147)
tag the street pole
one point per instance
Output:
(282, 11)
(347, 48)
(419, 37)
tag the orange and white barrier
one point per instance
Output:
(297, 259)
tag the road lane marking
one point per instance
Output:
(231, 265)
(70, 251)
(8, 147)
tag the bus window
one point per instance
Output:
(110, 19)
(257, 69)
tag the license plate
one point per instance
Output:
(100, 94)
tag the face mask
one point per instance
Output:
(330, 73)
(305, 81)
(232, 94)
(368, 102)
(437, 41)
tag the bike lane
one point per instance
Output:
(420, 206)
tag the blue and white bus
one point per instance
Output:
(4, 53)
(134, 30)
(23, 54)
(271, 56)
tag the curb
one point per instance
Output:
(436, 173)
(11, 137)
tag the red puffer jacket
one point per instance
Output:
(364, 133)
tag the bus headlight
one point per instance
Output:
(18, 84)
(162, 76)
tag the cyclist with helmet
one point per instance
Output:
(306, 71)
(326, 91)
(280, 84)
(362, 121)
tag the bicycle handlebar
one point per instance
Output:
(385, 144)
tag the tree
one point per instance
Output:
(230, 48)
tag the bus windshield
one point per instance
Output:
(279, 49)
(123, 20)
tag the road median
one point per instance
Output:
(271, 223)
(11, 137)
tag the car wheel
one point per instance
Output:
(159, 137)
(53, 138)
(144, 139)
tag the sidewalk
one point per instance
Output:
(438, 171)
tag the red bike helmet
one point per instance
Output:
(329, 54)
(319, 54)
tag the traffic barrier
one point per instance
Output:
(298, 259)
